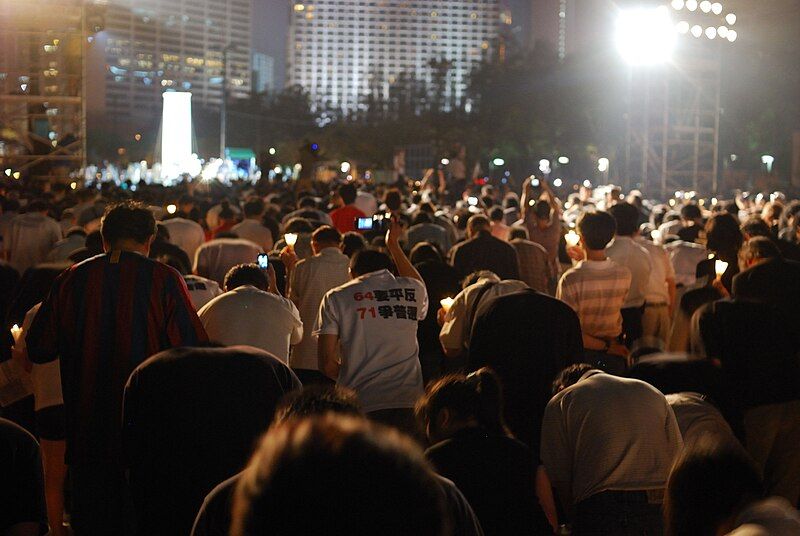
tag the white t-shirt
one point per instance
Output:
(253, 317)
(31, 238)
(46, 378)
(186, 234)
(375, 317)
(254, 232)
(213, 259)
(201, 290)
(661, 270)
(625, 252)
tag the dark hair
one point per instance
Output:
(476, 396)
(690, 233)
(186, 199)
(710, 482)
(543, 209)
(755, 226)
(298, 225)
(94, 242)
(226, 212)
(597, 229)
(424, 251)
(690, 211)
(317, 400)
(76, 231)
(246, 274)
(254, 207)
(362, 478)
(37, 205)
(477, 275)
(307, 202)
(570, 376)
(127, 221)
(162, 232)
(759, 247)
(518, 232)
(352, 243)
(626, 216)
(478, 222)
(496, 214)
(348, 193)
(326, 235)
(422, 217)
(393, 199)
(369, 260)
(723, 234)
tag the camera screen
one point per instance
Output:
(364, 224)
(263, 261)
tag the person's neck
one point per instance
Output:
(130, 246)
(595, 255)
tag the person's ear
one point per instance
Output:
(443, 419)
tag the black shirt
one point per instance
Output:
(21, 480)
(776, 282)
(485, 252)
(497, 475)
(191, 418)
(527, 338)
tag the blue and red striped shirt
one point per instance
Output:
(103, 318)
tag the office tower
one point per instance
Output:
(263, 73)
(152, 46)
(344, 52)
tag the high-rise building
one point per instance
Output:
(569, 26)
(152, 46)
(343, 52)
(263, 73)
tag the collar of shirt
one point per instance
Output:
(380, 274)
(330, 252)
(595, 265)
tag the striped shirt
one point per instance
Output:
(103, 318)
(596, 290)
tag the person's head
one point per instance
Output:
(393, 199)
(348, 193)
(477, 224)
(352, 243)
(457, 401)
(723, 234)
(424, 251)
(772, 211)
(689, 233)
(38, 205)
(362, 478)
(185, 204)
(570, 376)
(422, 217)
(753, 227)
(325, 237)
(543, 211)
(496, 214)
(518, 232)
(76, 231)
(226, 212)
(710, 483)
(128, 226)
(162, 233)
(626, 217)
(246, 274)
(477, 275)
(317, 400)
(367, 261)
(94, 243)
(254, 208)
(757, 250)
(691, 213)
(298, 226)
(596, 229)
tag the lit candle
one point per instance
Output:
(447, 303)
(16, 332)
(290, 239)
(572, 239)
(655, 234)
(720, 267)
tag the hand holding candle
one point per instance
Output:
(720, 267)
(16, 332)
(447, 303)
(290, 239)
(572, 238)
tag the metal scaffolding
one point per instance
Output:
(42, 87)
(673, 119)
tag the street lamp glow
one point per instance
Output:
(682, 27)
(722, 31)
(645, 36)
(557, 183)
(272, 151)
(498, 162)
(677, 5)
(732, 35)
(445, 161)
(544, 165)
(730, 18)
(711, 32)
(602, 165)
(345, 167)
(563, 160)
(705, 6)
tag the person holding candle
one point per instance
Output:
(724, 241)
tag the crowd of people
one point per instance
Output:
(408, 358)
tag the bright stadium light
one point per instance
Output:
(602, 165)
(677, 5)
(498, 162)
(697, 30)
(730, 18)
(691, 5)
(768, 160)
(645, 36)
(722, 31)
(563, 160)
(716, 8)
(682, 27)
(711, 32)
(705, 6)
(732, 35)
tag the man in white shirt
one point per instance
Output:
(251, 227)
(201, 290)
(625, 252)
(309, 280)
(659, 298)
(31, 237)
(214, 258)
(367, 331)
(252, 312)
(186, 234)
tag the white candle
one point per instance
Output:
(572, 239)
(655, 234)
(720, 267)
(290, 239)
(16, 332)
(447, 303)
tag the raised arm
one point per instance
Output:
(401, 261)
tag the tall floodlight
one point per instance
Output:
(673, 53)
(176, 134)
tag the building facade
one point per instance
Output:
(263, 73)
(152, 46)
(346, 51)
